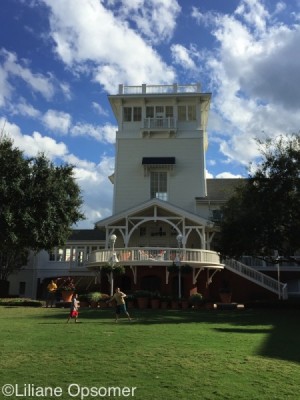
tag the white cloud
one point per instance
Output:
(155, 19)
(93, 39)
(25, 109)
(227, 175)
(105, 133)
(182, 57)
(254, 77)
(37, 82)
(100, 110)
(57, 121)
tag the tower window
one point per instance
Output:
(158, 185)
(127, 114)
(187, 113)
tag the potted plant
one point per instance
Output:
(94, 298)
(130, 300)
(225, 293)
(175, 303)
(103, 300)
(84, 300)
(196, 300)
(67, 287)
(173, 267)
(184, 304)
(165, 302)
(117, 269)
(142, 297)
(155, 300)
(186, 269)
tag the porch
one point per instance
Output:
(153, 256)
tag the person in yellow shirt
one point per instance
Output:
(119, 298)
(51, 292)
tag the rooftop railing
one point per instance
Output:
(160, 89)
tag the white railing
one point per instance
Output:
(257, 277)
(160, 89)
(160, 123)
(155, 255)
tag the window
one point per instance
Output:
(159, 111)
(137, 113)
(181, 113)
(52, 255)
(191, 112)
(187, 113)
(149, 112)
(132, 114)
(22, 288)
(158, 185)
(127, 114)
(169, 112)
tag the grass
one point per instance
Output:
(170, 355)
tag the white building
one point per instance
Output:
(164, 208)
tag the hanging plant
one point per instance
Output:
(186, 269)
(107, 268)
(118, 269)
(173, 267)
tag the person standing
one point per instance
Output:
(74, 308)
(119, 298)
(51, 293)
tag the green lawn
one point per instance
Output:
(168, 355)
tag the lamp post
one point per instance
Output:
(178, 263)
(112, 261)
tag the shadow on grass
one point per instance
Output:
(281, 326)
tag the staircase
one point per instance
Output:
(257, 277)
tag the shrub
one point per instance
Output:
(20, 302)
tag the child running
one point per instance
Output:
(74, 308)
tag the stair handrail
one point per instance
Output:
(258, 277)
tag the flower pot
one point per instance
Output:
(130, 304)
(155, 303)
(67, 295)
(143, 302)
(174, 304)
(184, 304)
(164, 305)
(225, 297)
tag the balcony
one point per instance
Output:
(149, 256)
(155, 125)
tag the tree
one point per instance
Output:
(39, 202)
(262, 218)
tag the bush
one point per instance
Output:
(94, 297)
(196, 298)
(20, 302)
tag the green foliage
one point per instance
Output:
(142, 294)
(196, 298)
(117, 269)
(264, 213)
(94, 296)
(39, 203)
(20, 302)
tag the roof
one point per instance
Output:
(87, 234)
(221, 189)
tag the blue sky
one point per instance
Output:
(59, 59)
